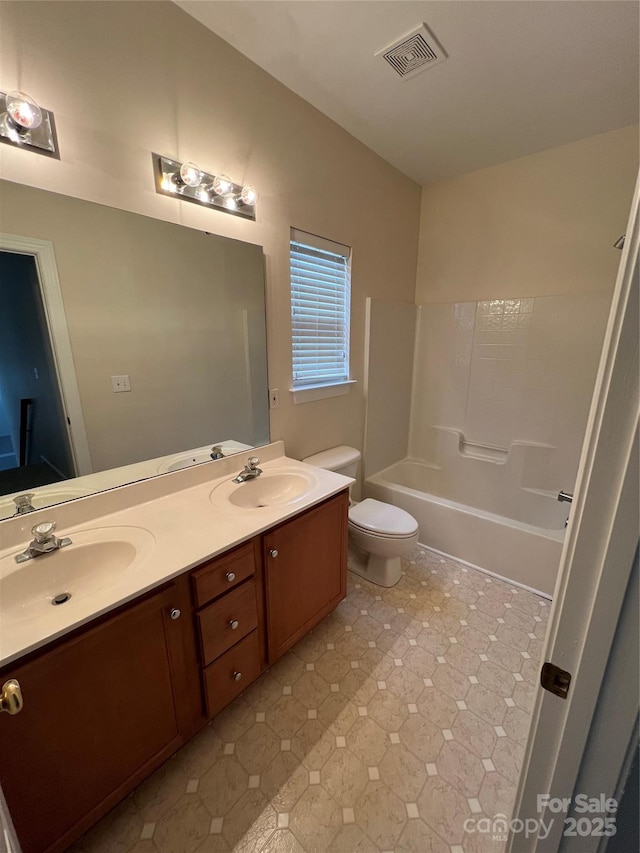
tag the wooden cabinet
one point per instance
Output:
(305, 572)
(228, 676)
(226, 621)
(224, 573)
(101, 711)
(105, 705)
(229, 593)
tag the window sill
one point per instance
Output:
(310, 393)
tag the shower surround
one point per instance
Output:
(500, 397)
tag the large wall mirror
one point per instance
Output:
(129, 346)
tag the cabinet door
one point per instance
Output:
(305, 572)
(98, 715)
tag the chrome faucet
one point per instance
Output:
(23, 504)
(216, 452)
(44, 542)
(251, 471)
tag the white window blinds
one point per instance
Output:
(320, 301)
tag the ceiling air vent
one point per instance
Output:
(414, 52)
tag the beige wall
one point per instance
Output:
(536, 226)
(128, 78)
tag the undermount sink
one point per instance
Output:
(96, 559)
(271, 488)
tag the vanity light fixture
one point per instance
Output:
(25, 124)
(187, 181)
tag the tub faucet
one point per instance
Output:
(23, 504)
(44, 542)
(251, 471)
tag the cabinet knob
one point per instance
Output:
(273, 552)
(11, 699)
(233, 623)
(237, 676)
(230, 576)
(174, 613)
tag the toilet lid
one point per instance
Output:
(381, 518)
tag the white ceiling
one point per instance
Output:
(521, 75)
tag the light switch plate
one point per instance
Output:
(120, 383)
(274, 398)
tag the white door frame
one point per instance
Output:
(595, 568)
(42, 252)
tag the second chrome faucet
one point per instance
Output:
(250, 472)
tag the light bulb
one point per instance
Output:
(249, 195)
(221, 185)
(23, 110)
(190, 174)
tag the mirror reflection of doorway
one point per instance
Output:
(34, 445)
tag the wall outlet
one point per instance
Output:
(274, 398)
(120, 383)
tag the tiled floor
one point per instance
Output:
(402, 714)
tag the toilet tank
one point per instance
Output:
(342, 460)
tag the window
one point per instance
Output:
(320, 301)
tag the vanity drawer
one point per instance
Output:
(227, 620)
(223, 574)
(232, 673)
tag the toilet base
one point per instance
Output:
(382, 571)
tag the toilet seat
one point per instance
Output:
(379, 519)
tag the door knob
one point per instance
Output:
(566, 497)
(174, 613)
(273, 552)
(233, 623)
(11, 699)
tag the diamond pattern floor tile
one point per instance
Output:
(402, 714)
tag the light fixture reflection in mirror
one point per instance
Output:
(25, 124)
(188, 182)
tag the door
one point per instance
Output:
(54, 323)
(305, 572)
(98, 715)
(594, 575)
(34, 446)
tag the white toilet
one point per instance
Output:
(382, 533)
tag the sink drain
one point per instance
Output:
(61, 598)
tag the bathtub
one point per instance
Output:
(513, 533)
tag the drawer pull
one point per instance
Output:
(273, 552)
(11, 697)
(233, 624)
(237, 676)
(230, 576)
(174, 613)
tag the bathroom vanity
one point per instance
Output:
(106, 702)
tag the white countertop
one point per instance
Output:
(187, 528)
